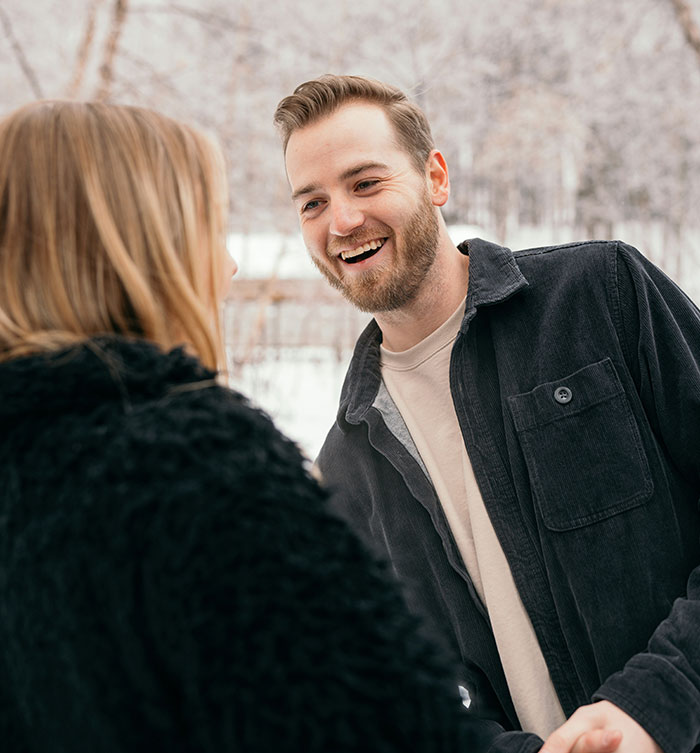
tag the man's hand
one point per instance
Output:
(600, 728)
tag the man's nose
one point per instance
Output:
(345, 217)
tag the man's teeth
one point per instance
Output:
(363, 249)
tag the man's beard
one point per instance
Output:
(386, 289)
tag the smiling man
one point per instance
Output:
(518, 432)
(380, 262)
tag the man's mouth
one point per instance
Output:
(365, 251)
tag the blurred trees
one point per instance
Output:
(576, 116)
(690, 28)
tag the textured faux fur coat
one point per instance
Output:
(170, 578)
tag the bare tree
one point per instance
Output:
(19, 55)
(121, 8)
(84, 49)
(691, 31)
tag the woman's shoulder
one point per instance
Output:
(117, 422)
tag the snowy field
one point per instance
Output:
(300, 387)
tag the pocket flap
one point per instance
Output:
(587, 387)
(582, 447)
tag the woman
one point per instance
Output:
(170, 578)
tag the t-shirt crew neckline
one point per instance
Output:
(443, 336)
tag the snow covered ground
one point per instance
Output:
(299, 388)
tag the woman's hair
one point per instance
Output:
(320, 97)
(112, 220)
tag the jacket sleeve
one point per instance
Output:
(660, 326)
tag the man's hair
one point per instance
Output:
(112, 220)
(316, 99)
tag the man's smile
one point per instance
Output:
(365, 251)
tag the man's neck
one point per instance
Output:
(443, 290)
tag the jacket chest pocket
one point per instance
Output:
(582, 447)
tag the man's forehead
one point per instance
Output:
(360, 125)
(356, 135)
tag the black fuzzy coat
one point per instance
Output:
(170, 578)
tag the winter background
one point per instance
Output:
(559, 119)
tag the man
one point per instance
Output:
(520, 433)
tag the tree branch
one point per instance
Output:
(21, 57)
(690, 29)
(84, 50)
(207, 18)
(121, 8)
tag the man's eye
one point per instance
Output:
(363, 185)
(310, 205)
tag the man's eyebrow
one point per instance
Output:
(357, 169)
(349, 173)
(304, 190)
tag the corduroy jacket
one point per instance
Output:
(576, 381)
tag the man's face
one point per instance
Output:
(365, 211)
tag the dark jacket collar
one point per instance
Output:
(494, 276)
(93, 374)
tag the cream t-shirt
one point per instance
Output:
(418, 381)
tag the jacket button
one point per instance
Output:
(563, 395)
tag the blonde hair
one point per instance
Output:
(112, 220)
(320, 97)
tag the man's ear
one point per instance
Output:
(438, 178)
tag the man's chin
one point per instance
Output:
(373, 293)
(377, 299)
